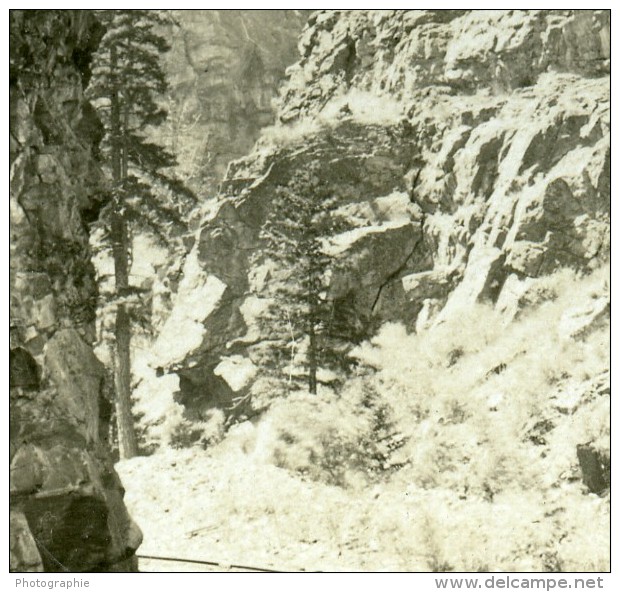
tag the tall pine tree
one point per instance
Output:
(301, 321)
(126, 86)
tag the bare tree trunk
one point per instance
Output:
(312, 361)
(312, 346)
(293, 344)
(127, 442)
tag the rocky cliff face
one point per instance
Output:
(224, 69)
(471, 149)
(67, 510)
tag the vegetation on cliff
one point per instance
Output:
(475, 263)
(300, 323)
(472, 468)
(386, 346)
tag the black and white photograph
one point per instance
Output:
(310, 290)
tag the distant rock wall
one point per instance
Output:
(405, 54)
(67, 510)
(224, 69)
(471, 147)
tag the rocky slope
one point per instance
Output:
(67, 510)
(471, 148)
(224, 69)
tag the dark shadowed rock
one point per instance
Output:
(595, 468)
(224, 69)
(67, 510)
(23, 369)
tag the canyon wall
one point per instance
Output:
(470, 148)
(66, 500)
(224, 70)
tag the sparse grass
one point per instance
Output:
(341, 439)
(488, 476)
(471, 410)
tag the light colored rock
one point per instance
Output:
(26, 470)
(390, 209)
(416, 120)
(575, 322)
(526, 257)
(24, 555)
(419, 285)
(478, 279)
(183, 331)
(237, 371)
(45, 312)
(77, 374)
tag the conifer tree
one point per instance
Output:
(127, 81)
(300, 321)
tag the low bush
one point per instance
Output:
(338, 439)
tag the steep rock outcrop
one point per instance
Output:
(224, 69)
(494, 126)
(67, 510)
(366, 170)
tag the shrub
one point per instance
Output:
(341, 440)
(469, 390)
(206, 433)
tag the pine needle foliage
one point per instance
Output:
(144, 196)
(126, 87)
(300, 323)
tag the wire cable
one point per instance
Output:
(212, 563)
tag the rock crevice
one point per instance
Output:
(491, 127)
